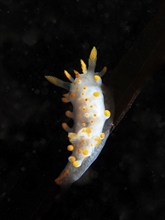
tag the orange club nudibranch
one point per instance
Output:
(91, 115)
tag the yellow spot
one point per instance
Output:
(85, 152)
(91, 121)
(82, 93)
(65, 100)
(95, 115)
(96, 77)
(61, 177)
(91, 106)
(88, 130)
(84, 109)
(68, 114)
(85, 88)
(72, 95)
(102, 135)
(76, 163)
(82, 140)
(74, 83)
(96, 94)
(98, 141)
(83, 66)
(86, 100)
(93, 54)
(64, 125)
(72, 159)
(107, 113)
(78, 80)
(70, 148)
(86, 115)
(83, 124)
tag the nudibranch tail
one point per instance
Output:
(92, 118)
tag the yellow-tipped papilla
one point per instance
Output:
(68, 76)
(66, 127)
(103, 71)
(77, 74)
(58, 82)
(64, 100)
(92, 59)
(69, 114)
(83, 66)
(93, 54)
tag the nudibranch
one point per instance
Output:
(92, 115)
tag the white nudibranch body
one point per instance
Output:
(87, 136)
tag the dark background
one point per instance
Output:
(127, 181)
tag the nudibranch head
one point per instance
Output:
(87, 136)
